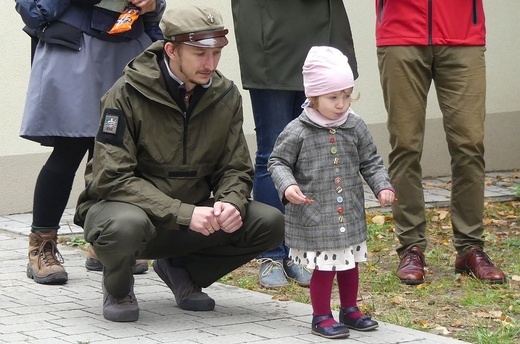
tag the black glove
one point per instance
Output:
(86, 2)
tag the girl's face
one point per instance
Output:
(334, 105)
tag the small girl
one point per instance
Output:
(316, 165)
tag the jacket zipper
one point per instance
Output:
(184, 138)
(185, 132)
(430, 22)
(475, 15)
(381, 8)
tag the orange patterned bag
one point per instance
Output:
(126, 19)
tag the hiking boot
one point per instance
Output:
(411, 267)
(124, 309)
(92, 263)
(272, 273)
(297, 272)
(45, 261)
(188, 295)
(478, 264)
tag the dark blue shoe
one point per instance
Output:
(363, 323)
(334, 331)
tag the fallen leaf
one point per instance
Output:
(496, 314)
(443, 214)
(457, 323)
(397, 300)
(378, 220)
(482, 315)
(440, 330)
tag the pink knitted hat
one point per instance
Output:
(326, 70)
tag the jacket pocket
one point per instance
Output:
(62, 34)
(307, 214)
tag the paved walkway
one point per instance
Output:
(34, 313)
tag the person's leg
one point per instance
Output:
(460, 81)
(349, 314)
(51, 195)
(118, 232)
(208, 258)
(320, 291)
(54, 183)
(406, 75)
(196, 261)
(323, 323)
(272, 111)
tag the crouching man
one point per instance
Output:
(171, 174)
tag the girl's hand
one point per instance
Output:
(294, 195)
(386, 197)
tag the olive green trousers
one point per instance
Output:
(121, 233)
(459, 76)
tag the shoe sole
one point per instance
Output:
(209, 306)
(55, 278)
(128, 316)
(276, 286)
(301, 284)
(411, 282)
(362, 329)
(342, 335)
(471, 274)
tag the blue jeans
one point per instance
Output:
(272, 111)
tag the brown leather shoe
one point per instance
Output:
(478, 264)
(411, 267)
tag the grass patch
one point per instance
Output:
(449, 304)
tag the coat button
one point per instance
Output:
(334, 150)
(337, 180)
(340, 199)
(340, 210)
(339, 189)
(336, 161)
(332, 140)
(342, 229)
(332, 131)
(341, 219)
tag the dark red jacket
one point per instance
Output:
(430, 22)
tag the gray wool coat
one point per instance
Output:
(327, 167)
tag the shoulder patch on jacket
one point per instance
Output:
(112, 127)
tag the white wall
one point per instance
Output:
(21, 160)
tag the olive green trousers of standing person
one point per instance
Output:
(459, 75)
(121, 232)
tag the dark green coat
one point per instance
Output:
(163, 163)
(274, 36)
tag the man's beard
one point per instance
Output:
(191, 80)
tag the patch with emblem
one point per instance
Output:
(112, 127)
(110, 124)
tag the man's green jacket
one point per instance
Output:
(147, 153)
